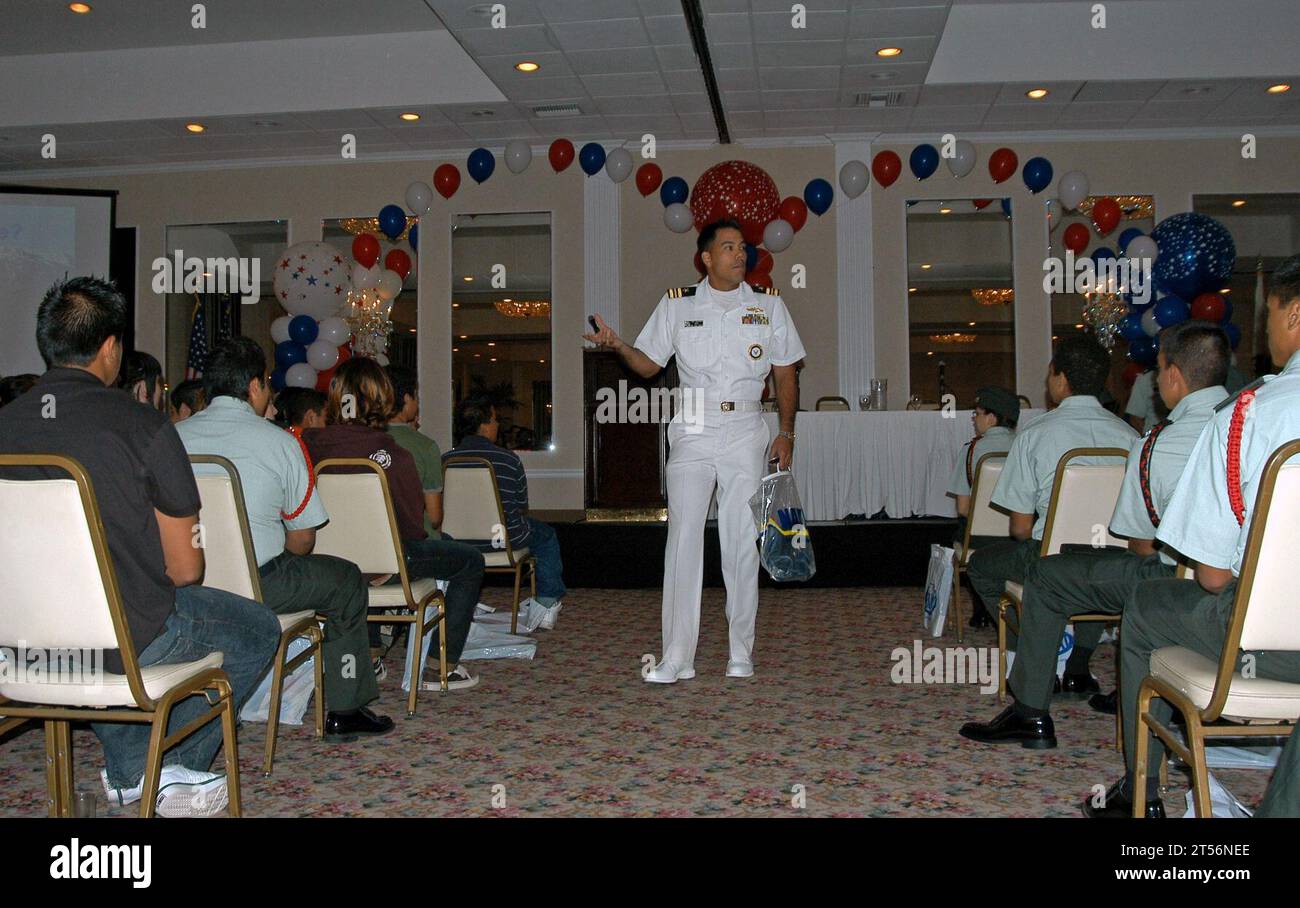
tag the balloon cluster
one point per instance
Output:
(311, 282)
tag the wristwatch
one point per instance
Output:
(790, 435)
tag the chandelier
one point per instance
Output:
(1134, 207)
(358, 226)
(523, 308)
(953, 337)
(990, 296)
(368, 317)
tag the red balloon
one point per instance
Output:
(365, 249)
(699, 264)
(1076, 237)
(1131, 372)
(397, 260)
(759, 280)
(793, 211)
(1002, 164)
(1106, 215)
(764, 263)
(446, 179)
(981, 204)
(736, 189)
(886, 166)
(1208, 306)
(561, 154)
(648, 177)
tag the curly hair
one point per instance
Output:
(360, 395)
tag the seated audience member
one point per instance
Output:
(1141, 410)
(1208, 521)
(476, 430)
(283, 515)
(187, 398)
(1282, 798)
(141, 377)
(360, 403)
(15, 386)
(1193, 361)
(300, 408)
(1075, 376)
(149, 505)
(404, 427)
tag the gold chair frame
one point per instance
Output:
(831, 398)
(962, 558)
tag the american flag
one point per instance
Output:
(225, 319)
(198, 357)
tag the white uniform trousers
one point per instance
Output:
(729, 449)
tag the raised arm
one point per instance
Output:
(633, 358)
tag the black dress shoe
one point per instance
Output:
(1009, 728)
(1105, 703)
(344, 729)
(980, 618)
(1079, 687)
(1116, 805)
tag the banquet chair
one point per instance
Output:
(1083, 499)
(1215, 699)
(982, 520)
(230, 565)
(78, 608)
(1024, 402)
(363, 530)
(472, 510)
(832, 403)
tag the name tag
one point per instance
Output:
(694, 324)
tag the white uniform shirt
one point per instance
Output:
(726, 343)
(1141, 400)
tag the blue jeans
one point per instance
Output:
(545, 545)
(206, 620)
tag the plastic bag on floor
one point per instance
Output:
(1063, 651)
(1223, 803)
(938, 590)
(785, 549)
(298, 688)
(484, 640)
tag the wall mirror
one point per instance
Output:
(340, 232)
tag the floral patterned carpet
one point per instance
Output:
(820, 730)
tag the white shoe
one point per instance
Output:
(667, 673)
(459, 678)
(188, 793)
(120, 797)
(737, 668)
(548, 619)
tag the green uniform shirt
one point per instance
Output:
(997, 440)
(1169, 455)
(428, 463)
(1199, 521)
(1078, 422)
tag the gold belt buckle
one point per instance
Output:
(728, 406)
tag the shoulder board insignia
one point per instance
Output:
(676, 293)
(1231, 400)
(770, 291)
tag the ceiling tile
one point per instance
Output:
(668, 29)
(582, 10)
(863, 50)
(688, 81)
(486, 130)
(814, 7)
(694, 103)
(737, 80)
(698, 121)
(634, 104)
(1029, 113)
(868, 78)
(467, 113)
(801, 53)
(727, 28)
(745, 120)
(501, 69)
(1175, 110)
(1195, 91)
(912, 21)
(798, 100)
(1058, 92)
(780, 119)
(952, 95)
(627, 59)
(779, 26)
(1101, 111)
(677, 56)
(457, 14)
(599, 35)
(533, 90)
(947, 118)
(863, 118)
(639, 125)
(660, 8)
(518, 39)
(1118, 91)
(742, 100)
(800, 78)
(731, 56)
(607, 85)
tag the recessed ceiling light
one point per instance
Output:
(1078, 326)
(1278, 88)
(1226, 290)
(1037, 93)
(409, 116)
(911, 289)
(889, 52)
(541, 360)
(527, 66)
(972, 324)
(464, 337)
(492, 343)
(455, 349)
(929, 353)
(1237, 203)
(195, 127)
(455, 305)
(82, 8)
(492, 360)
(467, 279)
(945, 210)
(926, 266)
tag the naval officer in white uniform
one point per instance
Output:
(727, 335)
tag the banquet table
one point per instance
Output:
(853, 462)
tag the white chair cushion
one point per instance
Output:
(1015, 591)
(289, 620)
(390, 595)
(114, 691)
(1248, 698)
(502, 558)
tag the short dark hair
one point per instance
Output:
(15, 386)
(233, 364)
(139, 366)
(1200, 350)
(1285, 284)
(1006, 421)
(190, 393)
(293, 404)
(705, 239)
(75, 317)
(404, 384)
(1084, 362)
(471, 413)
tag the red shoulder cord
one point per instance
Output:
(1235, 499)
(1144, 471)
(311, 476)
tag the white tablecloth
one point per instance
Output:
(851, 462)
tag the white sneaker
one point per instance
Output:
(548, 620)
(459, 678)
(667, 673)
(120, 796)
(737, 668)
(188, 793)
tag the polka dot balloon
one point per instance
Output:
(739, 190)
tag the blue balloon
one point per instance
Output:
(392, 221)
(1234, 334)
(1196, 254)
(480, 164)
(1006, 207)
(1037, 174)
(1170, 311)
(303, 329)
(1101, 253)
(1127, 237)
(924, 161)
(817, 195)
(414, 238)
(751, 257)
(1130, 327)
(592, 158)
(289, 352)
(277, 380)
(673, 191)
(1143, 350)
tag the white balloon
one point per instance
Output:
(1142, 247)
(280, 329)
(518, 155)
(364, 278)
(778, 235)
(962, 161)
(1149, 323)
(334, 331)
(312, 279)
(618, 164)
(419, 197)
(301, 375)
(678, 217)
(322, 355)
(1072, 189)
(854, 178)
(390, 284)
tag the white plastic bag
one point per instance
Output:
(938, 589)
(485, 640)
(1223, 803)
(298, 688)
(1063, 652)
(785, 548)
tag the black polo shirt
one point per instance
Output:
(136, 463)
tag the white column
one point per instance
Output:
(600, 230)
(853, 278)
